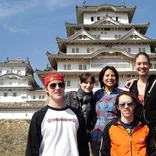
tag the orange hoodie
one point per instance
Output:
(117, 142)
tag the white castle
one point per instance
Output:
(103, 35)
(20, 95)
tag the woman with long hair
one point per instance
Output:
(104, 99)
(144, 89)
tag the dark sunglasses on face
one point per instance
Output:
(122, 104)
(53, 85)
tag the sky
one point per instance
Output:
(28, 28)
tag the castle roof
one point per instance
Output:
(70, 28)
(104, 7)
(17, 63)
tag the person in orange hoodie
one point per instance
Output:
(127, 136)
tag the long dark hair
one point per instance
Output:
(101, 74)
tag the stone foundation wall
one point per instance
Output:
(13, 137)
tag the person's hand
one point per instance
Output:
(129, 83)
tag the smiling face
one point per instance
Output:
(126, 106)
(55, 90)
(109, 79)
(142, 65)
(87, 86)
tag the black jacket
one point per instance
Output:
(148, 110)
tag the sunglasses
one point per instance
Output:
(53, 85)
(122, 104)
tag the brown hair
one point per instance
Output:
(142, 53)
(128, 93)
(83, 77)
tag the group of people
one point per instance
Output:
(112, 121)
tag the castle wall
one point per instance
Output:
(13, 137)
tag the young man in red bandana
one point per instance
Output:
(57, 129)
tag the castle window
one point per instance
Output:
(98, 18)
(80, 37)
(14, 94)
(5, 94)
(88, 50)
(77, 50)
(97, 36)
(73, 50)
(117, 18)
(68, 83)
(142, 49)
(82, 67)
(117, 36)
(107, 29)
(92, 49)
(92, 18)
(39, 96)
(42, 96)
(67, 66)
(84, 36)
(34, 97)
(129, 49)
(154, 66)
(131, 36)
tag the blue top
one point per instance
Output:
(105, 112)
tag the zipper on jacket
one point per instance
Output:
(131, 145)
(130, 139)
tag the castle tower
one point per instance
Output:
(103, 35)
(17, 83)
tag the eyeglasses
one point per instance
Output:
(53, 85)
(122, 104)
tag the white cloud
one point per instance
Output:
(14, 29)
(9, 8)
